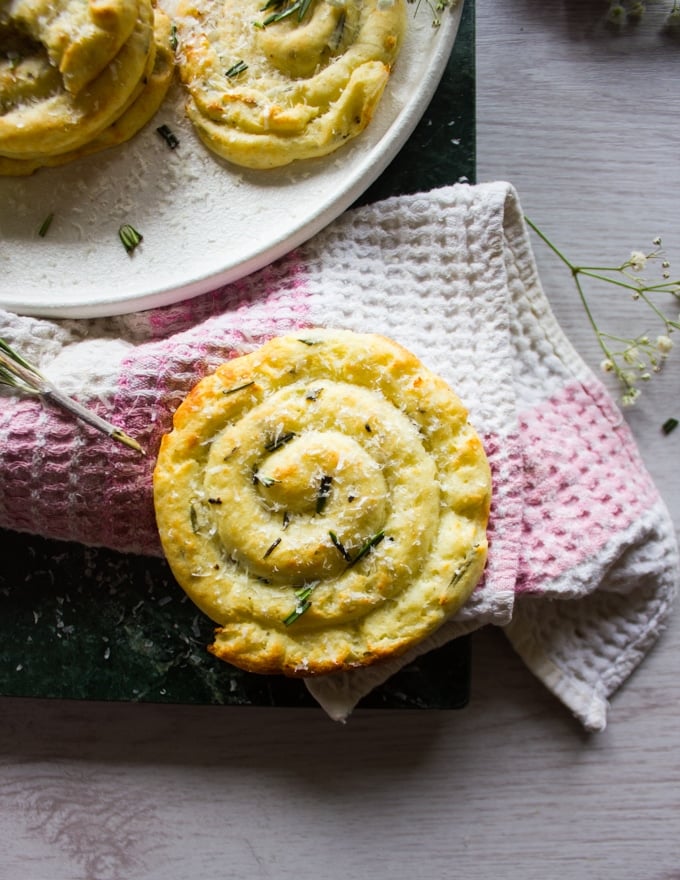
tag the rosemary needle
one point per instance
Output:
(17, 372)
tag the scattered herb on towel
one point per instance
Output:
(18, 373)
(669, 425)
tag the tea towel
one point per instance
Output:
(583, 561)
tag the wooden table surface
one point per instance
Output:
(583, 120)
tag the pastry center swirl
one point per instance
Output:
(310, 482)
(302, 490)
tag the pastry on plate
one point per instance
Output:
(324, 499)
(42, 122)
(288, 80)
(80, 36)
(142, 104)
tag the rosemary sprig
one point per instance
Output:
(340, 547)
(279, 441)
(237, 388)
(303, 604)
(45, 225)
(364, 550)
(285, 10)
(235, 69)
(130, 237)
(368, 546)
(324, 492)
(17, 372)
(465, 564)
(271, 548)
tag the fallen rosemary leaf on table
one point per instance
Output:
(17, 372)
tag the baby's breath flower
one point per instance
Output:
(616, 13)
(637, 261)
(673, 19)
(636, 358)
(436, 7)
(630, 397)
(664, 344)
(636, 11)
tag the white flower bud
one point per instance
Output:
(637, 261)
(664, 344)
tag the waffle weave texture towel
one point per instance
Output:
(583, 562)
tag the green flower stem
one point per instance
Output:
(660, 315)
(631, 360)
(575, 273)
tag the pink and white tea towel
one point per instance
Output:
(583, 562)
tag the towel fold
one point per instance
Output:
(583, 562)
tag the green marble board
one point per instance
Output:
(91, 624)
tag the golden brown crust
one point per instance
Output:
(81, 37)
(306, 87)
(42, 124)
(141, 106)
(324, 500)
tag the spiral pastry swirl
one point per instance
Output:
(324, 500)
(265, 93)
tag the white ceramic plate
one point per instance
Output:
(204, 222)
